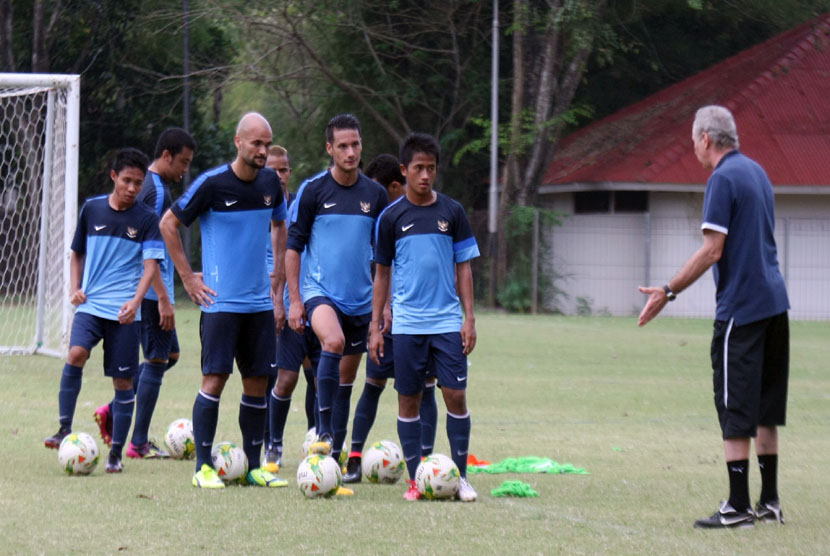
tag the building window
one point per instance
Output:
(630, 201)
(605, 202)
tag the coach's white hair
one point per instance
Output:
(719, 123)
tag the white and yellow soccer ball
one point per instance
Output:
(318, 476)
(230, 462)
(383, 462)
(78, 454)
(309, 439)
(179, 439)
(437, 477)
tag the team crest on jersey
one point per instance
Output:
(267, 199)
(365, 207)
(132, 232)
(443, 225)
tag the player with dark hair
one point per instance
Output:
(386, 170)
(235, 203)
(428, 238)
(159, 342)
(335, 216)
(114, 259)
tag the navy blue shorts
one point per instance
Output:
(249, 338)
(419, 355)
(120, 342)
(355, 328)
(751, 372)
(293, 348)
(386, 369)
(155, 342)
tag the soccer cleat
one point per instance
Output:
(770, 512)
(344, 491)
(466, 492)
(207, 477)
(273, 459)
(353, 471)
(148, 450)
(263, 478)
(727, 517)
(55, 440)
(412, 493)
(114, 464)
(103, 417)
(322, 445)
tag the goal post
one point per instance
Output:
(39, 120)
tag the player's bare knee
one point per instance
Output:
(409, 406)
(380, 382)
(213, 384)
(122, 383)
(286, 382)
(255, 386)
(77, 356)
(455, 400)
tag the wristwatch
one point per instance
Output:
(670, 295)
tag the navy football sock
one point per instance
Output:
(458, 432)
(146, 397)
(340, 418)
(68, 394)
(137, 377)
(272, 382)
(252, 411)
(310, 397)
(328, 382)
(364, 415)
(429, 420)
(205, 417)
(409, 433)
(277, 415)
(122, 415)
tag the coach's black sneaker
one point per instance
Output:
(769, 511)
(55, 440)
(114, 464)
(322, 445)
(353, 470)
(727, 517)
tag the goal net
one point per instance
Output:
(39, 117)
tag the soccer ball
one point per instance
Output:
(179, 439)
(230, 462)
(78, 454)
(309, 439)
(437, 477)
(318, 476)
(383, 462)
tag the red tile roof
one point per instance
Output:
(779, 92)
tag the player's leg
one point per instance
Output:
(121, 345)
(429, 416)
(773, 415)
(411, 355)
(310, 395)
(290, 354)
(218, 333)
(326, 325)
(451, 367)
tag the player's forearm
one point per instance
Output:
(380, 292)
(158, 286)
(278, 239)
(464, 279)
(151, 270)
(292, 274)
(169, 227)
(76, 270)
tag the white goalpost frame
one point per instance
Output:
(72, 83)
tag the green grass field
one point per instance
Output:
(632, 406)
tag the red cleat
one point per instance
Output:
(412, 493)
(104, 419)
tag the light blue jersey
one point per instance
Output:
(155, 193)
(235, 217)
(424, 243)
(114, 244)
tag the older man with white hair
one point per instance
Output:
(750, 345)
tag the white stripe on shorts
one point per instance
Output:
(726, 363)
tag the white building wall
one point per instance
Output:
(600, 259)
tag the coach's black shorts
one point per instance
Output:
(751, 370)
(155, 342)
(120, 342)
(355, 327)
(249, 338)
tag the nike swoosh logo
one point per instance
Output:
(461, 379)
(405, 228)
(99, 228)
(411, 458)
(256, 442)
(357, 343)
(273, 365)
(206, 443)
(460, 453)
(127, 368)
(229, 203)
(328, 205)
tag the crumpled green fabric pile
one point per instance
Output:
(528, 465)
(514, 488)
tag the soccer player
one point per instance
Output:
(235, 203)
(115, 254)
(751, 340)
(159, 342)
(335, 215)
(386, 170)
(428, 238)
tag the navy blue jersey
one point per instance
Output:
(334, 225)
(114, 244)
(424, 243)
(739, 202)
(155, 193)
(235, 216)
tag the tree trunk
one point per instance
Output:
(40, 62)
(6, 36)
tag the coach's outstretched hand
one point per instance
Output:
(656, 301)
(198, 291)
